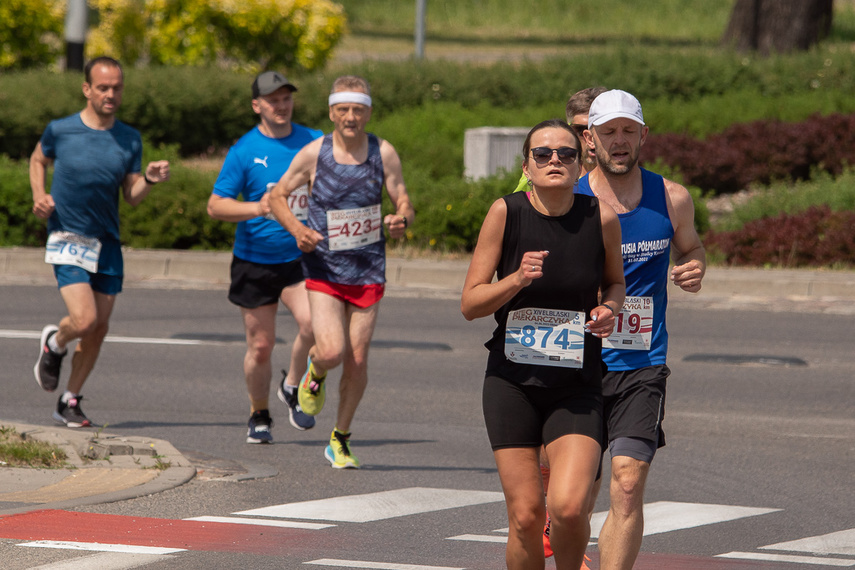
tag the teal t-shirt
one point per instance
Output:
(88, 170)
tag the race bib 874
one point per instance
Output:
(546, 337)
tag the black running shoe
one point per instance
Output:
(259, 427)
(47, 366)
(70, 413)
(298, 418)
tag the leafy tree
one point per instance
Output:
(30, 32)
(253, 34)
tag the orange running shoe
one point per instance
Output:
(547, 549)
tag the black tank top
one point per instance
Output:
(572, 274)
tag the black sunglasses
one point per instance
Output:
(579, 129)
(543, 154)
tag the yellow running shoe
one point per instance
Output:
(338, 451)
(312, 392)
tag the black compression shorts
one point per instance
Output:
(531, 416)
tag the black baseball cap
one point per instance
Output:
(268, 82)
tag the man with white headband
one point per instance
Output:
(657, 222)
(344, 249)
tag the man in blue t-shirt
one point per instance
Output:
(93, 155)
(266, 261)
(657, 223)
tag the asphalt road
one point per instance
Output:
(760, 426)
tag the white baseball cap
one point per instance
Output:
(614, 104)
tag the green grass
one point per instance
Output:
(15, 451)
(690, 21)
(792, 198)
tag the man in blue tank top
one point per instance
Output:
(343, 244)
(93, 156)
(266, 265)
(657, 221)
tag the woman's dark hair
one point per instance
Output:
(550, 124)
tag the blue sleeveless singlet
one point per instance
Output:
(344, 187)
(646, 234)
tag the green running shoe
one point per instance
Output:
(312, 392)
(338, 452)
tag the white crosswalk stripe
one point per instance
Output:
(378, 506)
(814, 560)
(840, 543)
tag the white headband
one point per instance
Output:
(350, 97)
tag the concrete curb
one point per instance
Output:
(103, 468)
(203, 269)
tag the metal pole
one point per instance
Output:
(421, 7)
(76, 22)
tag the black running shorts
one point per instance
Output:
(258, 284)
(634, 403)
(531, 416)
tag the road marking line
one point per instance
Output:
(121, 339)
(667, 516)
(479, 538)
(788, 558)
(101, 547)
(377, 565)
(262, 522)
(378, 506)
(842, 543)
(659, 517)
(105, 561)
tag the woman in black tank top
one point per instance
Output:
(559, 283)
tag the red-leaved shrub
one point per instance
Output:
(759, 152)
(816, 237)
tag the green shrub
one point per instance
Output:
(174, 215)
(449, 211)
(696, 94)
(18, 225)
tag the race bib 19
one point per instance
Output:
(633, 326)
(67, 248)
(546, 337)
(353, 228)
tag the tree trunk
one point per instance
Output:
(777, 26)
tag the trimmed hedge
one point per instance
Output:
(683, 91)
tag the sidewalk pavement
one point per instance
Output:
(105, 468)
